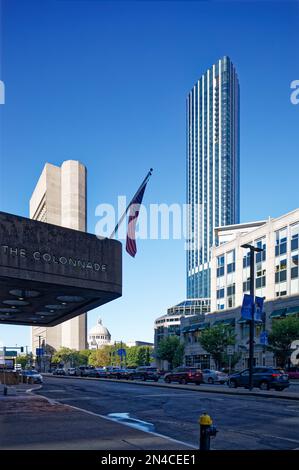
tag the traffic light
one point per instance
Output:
(22, 349)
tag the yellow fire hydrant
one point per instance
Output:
(207, 430)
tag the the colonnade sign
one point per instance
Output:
(49, 274)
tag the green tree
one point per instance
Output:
(84, 356)
(67, 356)
(100, 357)
(172, 350)
(141, 356)
(284, 332)
(215, 340)
(148, 354)
(25, 360)
(132, 356)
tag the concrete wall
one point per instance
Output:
(59, 198)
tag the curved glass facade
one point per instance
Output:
(212, 167)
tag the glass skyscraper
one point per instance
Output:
(212, 167)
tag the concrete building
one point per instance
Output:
(59, 198)
(212, 168)
(98, 336)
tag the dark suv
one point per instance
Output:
(263, 377)
(145, 373)
(184, 375)
(83, 371)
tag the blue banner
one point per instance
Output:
(39, 352)
(264, 338)
(258, 310)
(247, 307)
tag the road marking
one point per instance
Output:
(79, 398)
(187, 444)
(281, 438)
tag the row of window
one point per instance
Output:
(280, 249)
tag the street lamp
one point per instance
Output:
(41, 344)
(251, 321)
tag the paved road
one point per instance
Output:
(243, 422)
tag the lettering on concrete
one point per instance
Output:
(49, 258)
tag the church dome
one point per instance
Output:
(98, 336)
(99, 329)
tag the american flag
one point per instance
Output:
(133, 216)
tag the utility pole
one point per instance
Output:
(252, 249)
(121, 356)
(39, 355)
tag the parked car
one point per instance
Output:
(59, 371)
(293, 373)
(118, 373)
(184, 375)
(83, 371)
(71, 371)
(144, 373)
(97, 372)
(214, 376)
(263, 377)
(32, 377)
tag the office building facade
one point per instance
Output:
(212, 168)
(276, 267)
(276, 280)
(59, 198)
(169, 324)
(274, 311)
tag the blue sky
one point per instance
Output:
(106, 83)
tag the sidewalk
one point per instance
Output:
(288, 394)
(30, 422)
(14, 390)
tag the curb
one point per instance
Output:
(183, 387)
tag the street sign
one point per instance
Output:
(247, 307)
(121, 352)
(230, 350)
(258, 308)
(39, 352)
(264, 337)
(11, 353)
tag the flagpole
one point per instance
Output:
(144, 182)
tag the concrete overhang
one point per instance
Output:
(49, 274)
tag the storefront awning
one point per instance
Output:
(278, 313)
(226, 321)
(292, 311)
(195, 327)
